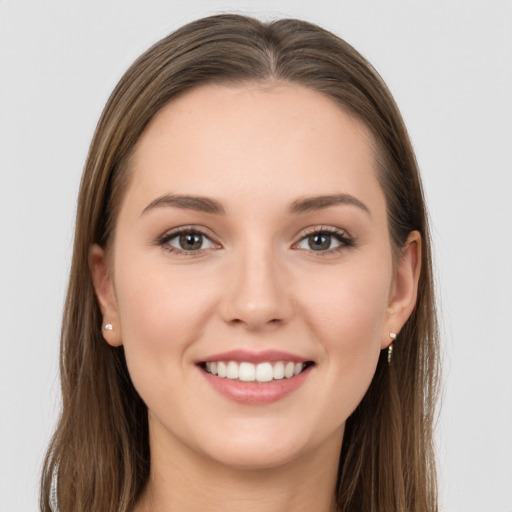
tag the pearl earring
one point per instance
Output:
(108, 327)
(392, 335)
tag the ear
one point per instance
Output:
(104, 288)
(404, 289)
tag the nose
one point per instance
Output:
(257, 292)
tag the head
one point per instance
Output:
(286, 67)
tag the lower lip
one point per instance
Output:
(256, 393)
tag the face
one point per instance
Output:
(251, 279)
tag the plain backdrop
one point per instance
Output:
(449, 65)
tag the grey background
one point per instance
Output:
(449, 65)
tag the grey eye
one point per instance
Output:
(319, 242)
(190, 241)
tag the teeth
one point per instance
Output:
(264, 372)
(288, 370)
(232, 370)
(249, 372)
(278, 370)
(221, 369)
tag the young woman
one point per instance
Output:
(250, 320)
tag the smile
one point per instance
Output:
(255, 378)
(249, 372)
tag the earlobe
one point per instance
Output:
(405, 286)
(104, 288)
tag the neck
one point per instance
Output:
(182, 480)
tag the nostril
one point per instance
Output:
(256, 323)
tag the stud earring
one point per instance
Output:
(108, 327)
(392, 335)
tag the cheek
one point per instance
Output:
(348, 306)
(161, 313)
(347, 320)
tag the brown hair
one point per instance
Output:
(99, 453)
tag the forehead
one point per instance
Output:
(253, 141)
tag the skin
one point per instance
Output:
(256, 284)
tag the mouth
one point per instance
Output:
(263, 372)
(255, 378)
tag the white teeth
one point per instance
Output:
(288, 370)
(279, 370)
(232, 370)
(264, 372)
(249, 372)
(298, 368)
(221, 369)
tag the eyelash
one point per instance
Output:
(339, 235)
(164, 240)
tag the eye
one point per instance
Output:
(325, 240)
(186, 241)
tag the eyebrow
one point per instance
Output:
(198, 203)
(208, 205)
(309, 204)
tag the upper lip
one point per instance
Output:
(241, 355)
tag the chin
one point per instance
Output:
(261, 446)
(256, 457)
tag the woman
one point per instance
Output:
(250, 319)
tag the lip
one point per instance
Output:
(241, 355)
(255, 393)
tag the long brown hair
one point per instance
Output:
(99, 454)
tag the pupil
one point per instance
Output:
(319, 242)
(191, 241)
